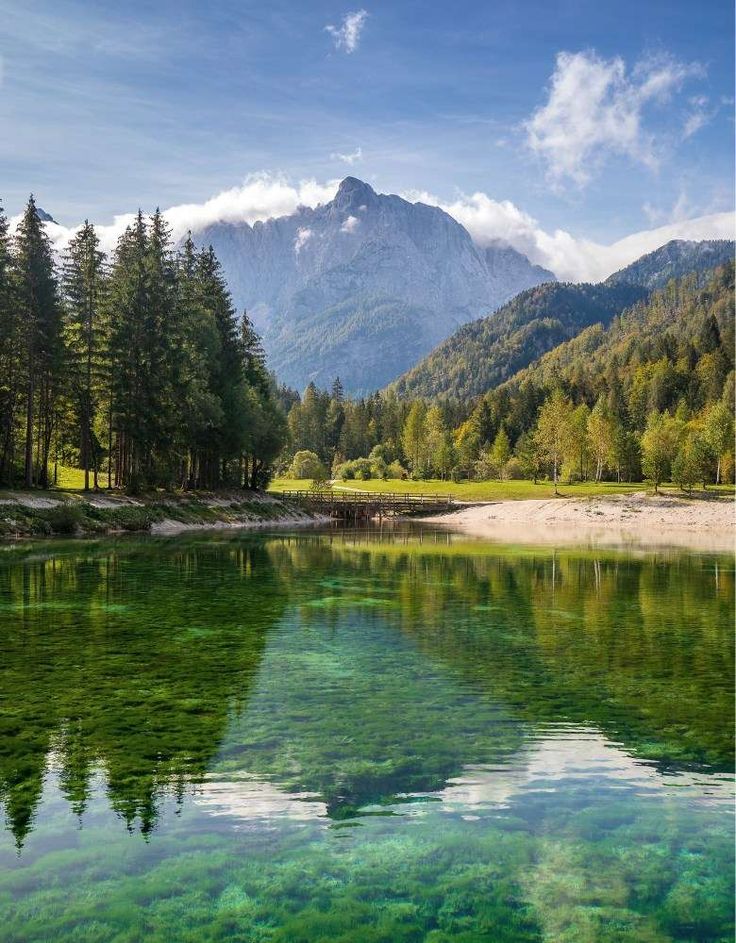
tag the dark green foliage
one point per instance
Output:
(65, 519)
(670, 356)
(40, 349)
(141, 373)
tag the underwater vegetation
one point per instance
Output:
(312, 737)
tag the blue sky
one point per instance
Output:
(107, 107)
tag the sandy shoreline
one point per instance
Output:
(630, 520)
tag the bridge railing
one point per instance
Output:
(384, 498)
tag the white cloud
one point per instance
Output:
(571, 258)
(351, 158)
(303, 235)
(262, 196)
(347, 36)
(699, 115)
(596, 109)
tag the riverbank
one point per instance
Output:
(42, 514)
(703, 523)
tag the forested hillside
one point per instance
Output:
(651, 396)
(483, 354)
(678, 343)
(135, 368)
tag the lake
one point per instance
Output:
(364, 736)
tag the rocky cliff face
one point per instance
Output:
(363, 286)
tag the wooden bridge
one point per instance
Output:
(352, 506)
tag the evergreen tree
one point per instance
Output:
(40, 314)
(84, 297)
(11, 355)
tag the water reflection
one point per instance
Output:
(310, 676)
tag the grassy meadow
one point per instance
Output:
(494, 490)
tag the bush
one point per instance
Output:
(306, 464)
(513, 470)
(131, 518)
(345, 472)
(361, 468)
(396, 471)
(486, 469)
(65, 519)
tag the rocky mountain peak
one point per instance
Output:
(352, 194)
(362, 286)
(44, 216)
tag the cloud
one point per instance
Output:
(596, 109)
(262, 196)
(488, 221)
(350, 159)
(303, 235)
(347, 36)
(571, 258)
(699, 115)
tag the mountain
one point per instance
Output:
(675, 325)
(481, 355)
(673, 260)
(45, 217)
(362, 286)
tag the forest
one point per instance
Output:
(650, 396)
(137, 369)
(134, 367)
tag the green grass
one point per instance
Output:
(70, 479)
(491, 490)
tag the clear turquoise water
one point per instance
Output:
(324, 737)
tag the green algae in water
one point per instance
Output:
(498, 746)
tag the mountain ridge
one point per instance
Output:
(362, 286)
(488, 351)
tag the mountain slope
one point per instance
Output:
(481, 355)
(673, 260)
(362, 286)
(665, 346)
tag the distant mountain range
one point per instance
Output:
(363, 286)
(486, 352)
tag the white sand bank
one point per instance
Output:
(633, 519)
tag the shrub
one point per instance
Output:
(132, 518)
(513, 470)
(396, 471)
(306, 464)
(65, 519)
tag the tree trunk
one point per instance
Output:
(28, 477)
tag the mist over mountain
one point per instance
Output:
(488, 351)
(362, 286)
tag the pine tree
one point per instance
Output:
(40, 314)
(84, 297)
(10, 355)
